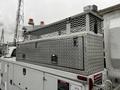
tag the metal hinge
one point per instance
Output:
(44, 79)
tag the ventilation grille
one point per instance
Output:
(78, 24)
(93, 20)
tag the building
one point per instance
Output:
(111, 25)
(111, 17)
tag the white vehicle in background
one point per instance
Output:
(10, 53)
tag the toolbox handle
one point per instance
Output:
(54, 59)
(75, 42)
(24, 71)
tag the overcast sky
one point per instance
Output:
(46, 10)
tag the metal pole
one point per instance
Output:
(19, 17)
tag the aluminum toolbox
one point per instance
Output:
(80, 53)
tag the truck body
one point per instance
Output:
(26, 75)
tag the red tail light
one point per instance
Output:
(98, 78)
(82, 78)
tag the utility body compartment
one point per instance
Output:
(80, 53)
(24, 76)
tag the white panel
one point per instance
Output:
(0, 71)
(33, 80)
(10, 77)
(4, 78)
(115, 43)
(18, 76)
(0, 65)
(114, 23)
(50, 82)
(6, 86)
(6, 68)
(75, 87)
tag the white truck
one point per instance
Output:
(72, 61)
(24, 76)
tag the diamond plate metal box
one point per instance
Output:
(80, 53)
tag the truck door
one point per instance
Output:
(10, 77)
(53, 82)
(27, 79)
(4, 75)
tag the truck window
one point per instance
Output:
(13, 53)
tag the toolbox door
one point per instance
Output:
(68, 52)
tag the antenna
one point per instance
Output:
(19, 19)
(2, 37)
